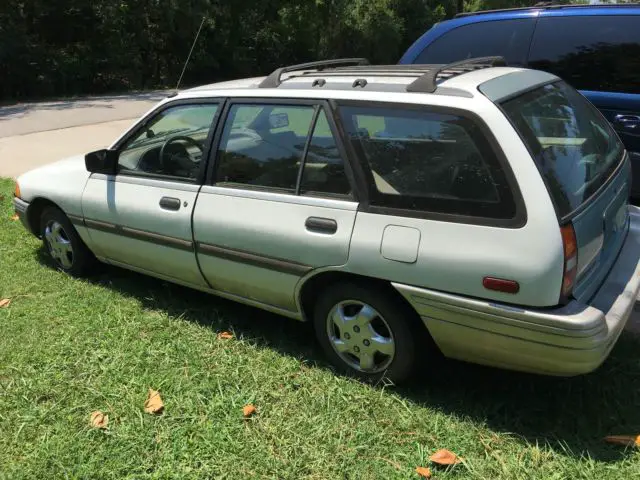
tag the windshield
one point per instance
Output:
(573, 145)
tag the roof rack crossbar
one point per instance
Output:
(427, 82)
(546, 6)
(274, 79)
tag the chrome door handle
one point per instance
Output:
(628, 121)
(321, 225)
(170, 203)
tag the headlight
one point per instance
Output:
(16, 192)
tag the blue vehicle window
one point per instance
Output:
(599, 53)
(508, 38)
(418, 159)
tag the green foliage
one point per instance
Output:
(75, 46)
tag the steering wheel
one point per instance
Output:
(174, 139)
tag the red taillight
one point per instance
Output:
(501, 285)
(570, 246)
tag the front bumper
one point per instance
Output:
(21, 207)
(565, 341)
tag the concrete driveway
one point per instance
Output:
(33, 134)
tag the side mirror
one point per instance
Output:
(101, 161)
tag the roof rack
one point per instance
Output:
(548, 6)
(427, 82)
(274, 80)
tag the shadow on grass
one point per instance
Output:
(572, 415)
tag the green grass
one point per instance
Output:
(69, 347)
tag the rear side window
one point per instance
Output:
(508, 38)
(428, 161)
(591, 53)
(574, 147)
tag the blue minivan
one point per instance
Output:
(596, 48)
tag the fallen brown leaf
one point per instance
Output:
(424, 472)
(4, 302)
(626, 440)
(153, 404)
(1, 198)
(14, 217)
(444, 457)
(248, 411)
(99, 419)
(225, 335)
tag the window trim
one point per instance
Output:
(142, 123)
(318, 105)
(519, 219)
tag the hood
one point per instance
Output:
(59, 182)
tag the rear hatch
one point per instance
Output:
(586, 170)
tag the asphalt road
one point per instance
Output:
(33, 134)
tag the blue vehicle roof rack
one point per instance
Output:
(548, 6)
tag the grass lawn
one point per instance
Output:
(69, 347)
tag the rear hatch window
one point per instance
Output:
(577, 153)
(573, 145)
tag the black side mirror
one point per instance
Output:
(101, 161)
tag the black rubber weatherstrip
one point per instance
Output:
(240, 256)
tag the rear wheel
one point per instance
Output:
(64, 245)
(366, 332)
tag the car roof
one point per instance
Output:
(356, 79)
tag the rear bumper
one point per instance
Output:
(566, 341)
(21, 207)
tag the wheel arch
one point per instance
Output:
(34, 213)
(311, 287)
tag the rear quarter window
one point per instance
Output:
(599, 53)
(429, 161)
(507, 38)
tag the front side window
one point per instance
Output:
(171, 144)
(428, 161)
(507, 38)
(574, 147)
(286, 148)
(599, 53)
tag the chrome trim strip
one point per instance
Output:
(76, 220)
(241, 256)
(143, 235)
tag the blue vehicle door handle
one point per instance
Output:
(628, 121)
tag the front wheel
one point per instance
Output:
(367, 332)
(64, 245)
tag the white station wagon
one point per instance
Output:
(471, 209)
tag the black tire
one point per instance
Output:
(79, 260)
(395, 318)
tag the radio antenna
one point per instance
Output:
(190, 52)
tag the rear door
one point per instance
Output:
(600, 56)
(279, 202)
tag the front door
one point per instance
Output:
(141, 217)
(280, 205)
